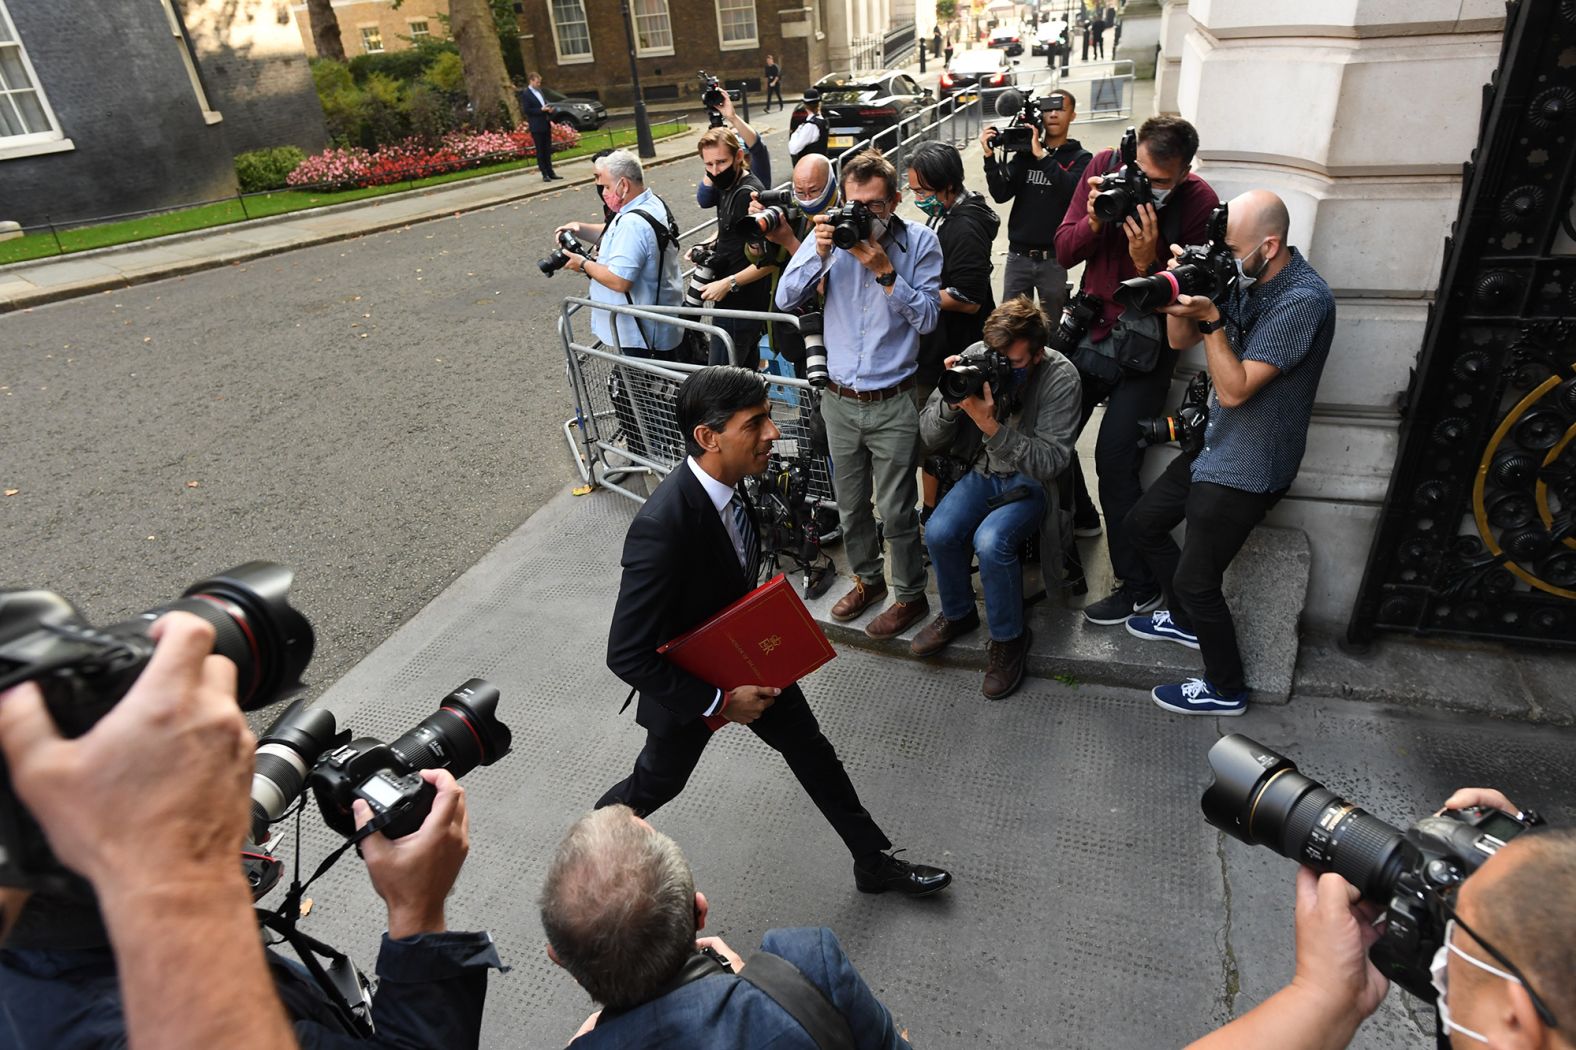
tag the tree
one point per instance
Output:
(492, 97)
(325, 30)
(945, 10)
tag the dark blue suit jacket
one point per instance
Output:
(534, 113)
(727, 1011)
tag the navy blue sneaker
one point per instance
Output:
(1197, 697)
(1158, 626)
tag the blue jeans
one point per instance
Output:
(961, 526)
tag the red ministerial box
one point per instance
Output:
(767, 637)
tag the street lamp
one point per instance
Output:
(647, 147)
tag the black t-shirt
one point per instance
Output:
(1039, 189)
(772, 73)
(732, 206)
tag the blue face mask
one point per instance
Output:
(1019, 375)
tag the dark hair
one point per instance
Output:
(1017, 318)
(939, 166)
(1169, 138)
(710, 397)
(867, 165)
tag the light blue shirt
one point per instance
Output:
(629, 249)
(872, 338)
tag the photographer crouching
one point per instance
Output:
(150, 805)
(1266, 336)
(1007, 408)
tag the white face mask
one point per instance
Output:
(879, 227)
(1438, 970)
(1159, 196)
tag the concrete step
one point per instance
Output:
(1266, 585)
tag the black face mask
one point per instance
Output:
(723, 179)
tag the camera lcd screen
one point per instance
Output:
(1500, 825)
(381, 791)
(1055, 102)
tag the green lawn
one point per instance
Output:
(39, 244)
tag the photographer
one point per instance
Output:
(621, 913)
(706, 194)
(882, 293)
(1265, 345)
(1504, 975)
(1040, 183)
(1016, 441)
(740, 287)
(637, 260)
(1128, 365)
(151, 806)
(813, 191)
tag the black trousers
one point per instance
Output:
(542, 135)
(774, 90)
(746, 337)
(1118, 460)
(788, 727)
(1219, 519)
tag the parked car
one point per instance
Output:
(1008, 40)
(1047, 36)
(862, 105)
(977, 70)
(583, 114)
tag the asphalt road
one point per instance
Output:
(376, 414)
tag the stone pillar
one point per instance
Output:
(1359, 113)
(839, 28)
(1175, 22)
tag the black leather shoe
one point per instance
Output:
(913, 880)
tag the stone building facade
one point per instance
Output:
(191, 90)
(1360, 113)
(368, 27)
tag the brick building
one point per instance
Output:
(193, 83)
(368, 27)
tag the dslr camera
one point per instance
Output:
(1258, 796)
(558, 258)
(704, 257)
(1186, 428)
(1124, 191)
(1080, 312)
(1202, 269)
(1025, 115)
(84, 670)
(975, 367)
(713, 95)
(850, 224)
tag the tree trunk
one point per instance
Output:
(486, 81)
(325, 30)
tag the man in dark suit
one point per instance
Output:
(620, 910)
(538, 115)
(691, 551)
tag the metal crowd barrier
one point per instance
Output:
(624, 423)
(1104, 90)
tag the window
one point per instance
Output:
(736, 23)
(27, 125)
(571, 33)
(653, 30)
(371, 39)
(419, 29)
(178, 28)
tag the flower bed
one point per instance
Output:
(354, 167)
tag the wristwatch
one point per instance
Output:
(1216, 325)
(888, 279)
(733, 284)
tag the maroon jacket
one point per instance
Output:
(1105, 253)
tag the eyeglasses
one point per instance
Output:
(1513, 972)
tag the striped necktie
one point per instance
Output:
(749, 544)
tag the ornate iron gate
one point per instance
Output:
(1478, 532)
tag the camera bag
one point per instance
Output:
(693, 348)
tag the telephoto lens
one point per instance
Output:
(285, 755)
(758, 224)
(1258, 796)
(700, 277)
(815, 371)
(782, 198)
(463, 733)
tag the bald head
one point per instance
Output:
(811, 176)
(1523, 902)
(1258, 214)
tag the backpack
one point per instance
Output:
(693, 347)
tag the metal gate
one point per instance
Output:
(1478, 532)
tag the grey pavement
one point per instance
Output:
(1092, 904)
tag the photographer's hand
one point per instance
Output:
(414, 874)
(1143, 238)
(1194, 307)
(874, 258)
(1034, 141)
(1094, 194)
(982, 410)
(756, 207)
(986, 135)
(823, 236)
(1492, 798)
(746, 703)
(151, 805)
(718, 945)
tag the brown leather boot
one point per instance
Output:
(856, 601)
(897, 618)
(935, 636)
(1004, 672)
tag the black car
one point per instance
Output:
(582, 114)
(859, 106)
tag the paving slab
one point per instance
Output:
(1421, 672)
(70, 271)
(1093, 906)
(1266, 586)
